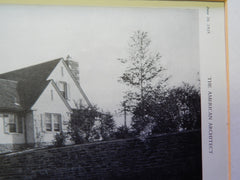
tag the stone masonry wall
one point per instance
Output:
(6, 148)
(172, 156)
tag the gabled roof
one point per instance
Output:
(9, 97)
(31, 80)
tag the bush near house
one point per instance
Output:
(165, 110)
(60, 139)
(89, 124)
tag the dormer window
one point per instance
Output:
(63, 89)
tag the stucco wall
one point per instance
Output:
(30, 135)
(75, 95)
(174, 156)
(34, 121)
(47, 104)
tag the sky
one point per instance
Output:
(96, 37)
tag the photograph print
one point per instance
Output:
(99, 93)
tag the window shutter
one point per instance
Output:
(5, 123)
(61, 122)
(42, 122)
(19, 121)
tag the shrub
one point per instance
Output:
(123, 132)
(89, 125)
(60, 139)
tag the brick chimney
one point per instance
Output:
(73, 66)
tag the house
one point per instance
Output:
(36, 102)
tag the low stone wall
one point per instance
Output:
(172, 156)
(6, 148)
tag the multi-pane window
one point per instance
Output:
(57, 122)
(12, 123)
(52, 122)
(48, 122)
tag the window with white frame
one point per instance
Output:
(48, 122)
(57, 122)
(12, 123)
(52, 122)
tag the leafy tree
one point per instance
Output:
(107, 125)
(187, 99)
(156, 108)
(81, 124)
(172, 110)
(88, 124)
(143, 67)
(143, 71)
(159, 114)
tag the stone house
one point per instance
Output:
(36, 102)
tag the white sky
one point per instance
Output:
(96, 37)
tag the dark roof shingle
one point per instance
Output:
(31, 80)
(9, 97)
